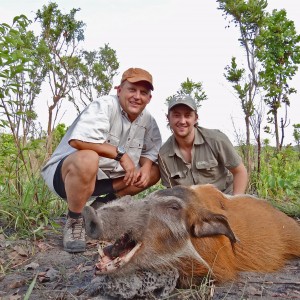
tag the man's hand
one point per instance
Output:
(143, 174)
(131, 173)
(143, 177)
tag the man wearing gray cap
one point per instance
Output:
(110, 149)
(197, 155)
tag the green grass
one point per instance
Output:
(30, 214)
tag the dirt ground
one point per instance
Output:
(52, 273)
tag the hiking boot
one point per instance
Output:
(99, 201)
(74, 235)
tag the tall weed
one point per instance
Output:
(279, 179)
(29, 214)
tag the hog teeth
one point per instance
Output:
(115, 264)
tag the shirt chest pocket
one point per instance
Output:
(177, 175)
(181, 177)
(135, 149)
(208, 168)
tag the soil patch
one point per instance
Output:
(60, 275)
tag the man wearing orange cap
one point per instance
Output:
(110, 149)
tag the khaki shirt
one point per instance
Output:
(212, 156)
(103, 120)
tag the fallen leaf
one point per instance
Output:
(50, 275)
(21, 251)
(31, 266)
(44, 246)
(16, 258)
(17, 283)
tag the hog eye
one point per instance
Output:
(175, 207)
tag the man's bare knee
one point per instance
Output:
(83, 163)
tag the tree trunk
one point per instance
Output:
(248, 145)
(276, 130)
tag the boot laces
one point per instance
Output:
(77, 227)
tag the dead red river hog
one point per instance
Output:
(197, 230)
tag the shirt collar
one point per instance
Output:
(124, 113)
(175, 149)
(198, 137)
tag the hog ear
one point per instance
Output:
(214, 224)
(92, 223)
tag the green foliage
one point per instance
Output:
(19, 80)
(56, 26)
(8, 154)
(247, 15)
(26, 60)
(194, 89)
(236, 77)
(279, 53)
(77, 75)
(59, 39)
(296, 135)
(58, 134)
(25, 215)
(28, 208)
(93, 74)
(151, 189)
(279, 179)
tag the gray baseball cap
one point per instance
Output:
(185, 99)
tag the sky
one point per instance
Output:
(173, 40)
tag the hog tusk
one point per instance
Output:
(129, 256)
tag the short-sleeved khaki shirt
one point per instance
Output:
(104, 121)
(212, 156)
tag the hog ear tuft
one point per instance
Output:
(92, 223)
(213, 224)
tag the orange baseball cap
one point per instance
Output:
(134, 75)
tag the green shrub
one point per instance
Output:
(279, 179)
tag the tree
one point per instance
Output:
(248, 16)
(279, 54)
(253, 112)
(194, 89)
(296, 135)
(93, 75)
(73, 74)
(21, 82)
(60, 36)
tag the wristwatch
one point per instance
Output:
(120, 152)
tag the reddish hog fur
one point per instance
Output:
(199, 230)
(266, 236)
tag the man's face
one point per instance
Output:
(134, 97)
(182, 120)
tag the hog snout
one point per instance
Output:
(92, 222)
